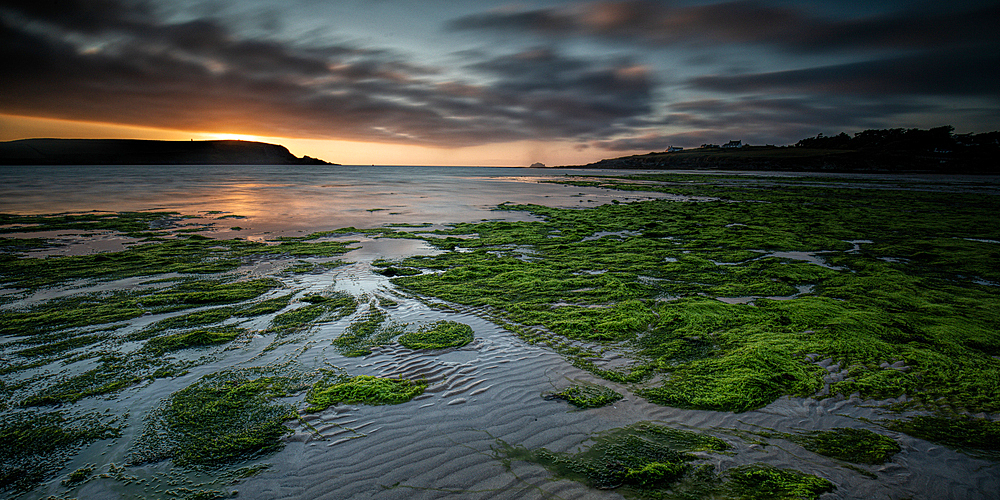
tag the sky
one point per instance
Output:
(484, 82)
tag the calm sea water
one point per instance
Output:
(286, 199)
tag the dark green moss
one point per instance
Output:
(299, 319)
(396, 271)
(124, 222)
(225, 417)
(764, 482)
(368, 330)
(197, 338)
(643, 459)
(70, 312)
(207, 292)
(976, 436)
(34, 445)
(109, 377)
(78, 476)
(439, 335)
(860, 446)
(362, 389)
(587, 395)
(296, 320)
(62, 346)
(269, 306)
(190, 320)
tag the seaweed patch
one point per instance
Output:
(439, 335)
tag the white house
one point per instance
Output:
(673, 149)
(733, 144)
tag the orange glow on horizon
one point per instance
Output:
(212, 136)
(524, 153)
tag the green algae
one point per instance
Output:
(21, 245)
(79, 475)
(363, 389)
(129, 223)
(333, 307)
(267, 306)
(207, 292)
(111, 376)
(189, 320)
(587, 395)
(35, 445)
(643, 460)
(197, 338)
(368, 330)
(975, 436)
(223, 418)
(183, 256)
(759, 481)
(103, 308)
(860, 446)
(296, 319)
(69, 312)
(193, 254)
(438, 335)
(115, 373)
(908, 310)
(390, 271)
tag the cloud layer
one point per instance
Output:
(126, 62)
(116, 62)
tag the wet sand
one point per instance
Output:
(440, 445)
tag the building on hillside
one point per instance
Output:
(709, 146)
(733, 144)
(674, 149)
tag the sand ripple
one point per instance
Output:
(439, 444)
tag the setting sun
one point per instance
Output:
(234, 137)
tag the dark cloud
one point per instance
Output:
(574, 96)
(782, 119)
(755, 120)
(88, 16)
(200, 75)
(748, 21)
(540, 21)
(958, 73)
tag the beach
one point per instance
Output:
(298, 279)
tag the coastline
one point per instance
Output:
(795, 159)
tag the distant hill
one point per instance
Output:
(873, 151)
(142, 152)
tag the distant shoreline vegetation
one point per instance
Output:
(937, 151)
(147, 152)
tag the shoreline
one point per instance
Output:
(445, 441)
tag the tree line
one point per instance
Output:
(939, 139)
